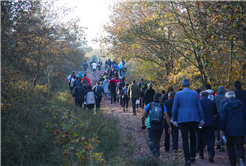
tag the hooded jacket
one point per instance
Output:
(241, 95)
(233, 118)
(220, 96)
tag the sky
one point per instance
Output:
(93, 14)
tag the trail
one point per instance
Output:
(130, 125)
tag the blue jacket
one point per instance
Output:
(187, 107)
(209, 110)
(233, 118)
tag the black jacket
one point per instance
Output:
(241, 95)
(169, 106)
(149, 95)
(78, 93)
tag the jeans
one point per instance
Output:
(123, 73)
(99, 67)
(142, 100)
(134, 105)
(209, 135)
(90, 106)
(85, 70)
(98, 101)
(94, 72)
(175, 135)
(79, 102)
(113, 96)
(125, 100)
(185, 128)
(106, 67)
(231, 142)
(154, 135)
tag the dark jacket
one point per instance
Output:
(241, 95)
(169, 106)
(149, 95)
(233, 118)
(78, 93)
(209, 110)
(219, 96)
(142, 90)
(101, 89)
(112, 85)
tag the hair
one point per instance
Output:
(89, 87)
(208, 86)
(157, 96)
(186, 82)
(122, 79)
(72, 72)
(171, 94)
(141, 79)
(204, 93)
(230, 94)
(198, 90)
(80, 84)
(113, 76)
(150, 85)
(127, 84)
(180, 89)
(133, 81)
(170, 89)
(77, 78)
(85, 75)
(163, 92)
(237, 84)
(98, 82)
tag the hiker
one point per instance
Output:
(198, 90)
(109, 63)
(233, 127)
(175, 130)
(71, 81)
(162, 96)
(94, 68)
(78, 93)
(134, 93)
(99, 64)
(149, 94)
(91, 64)
(76, 82)
(125, 98)
(80, 76)
(155, 111)
(90, 98)
(211, 93)
(210, 111)
(142, 87)
(220, 95)
(120, 86)
(170, 89)
(187, 112)
(113, 72)
(105, 88)
(87, 80)
(123, 70)
(85, 67)
(112, 88)
(99, 91)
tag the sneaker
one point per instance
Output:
(192, 159)
(210, 159)
(222, 149)
(241, 162)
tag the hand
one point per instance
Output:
(143, 127)
(169, 130)
(175, 124)
(221, 134)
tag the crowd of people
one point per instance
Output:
(200, 115)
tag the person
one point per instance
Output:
(155, 111)
(134, 93)
(94, 68)
(162, 94)
(71, 81)
(170, 89)
(142, 87)
(112, 87)
(109, 63)
(99, 91)
(149, 94)
(210, 112)
(120, 86)
(211, 93)
(239, 92)
(233, 127)
(113, 72)
(86, 80)
(91, 64)
(78, 94)
(198, 90)
(76, 82)
(105, 88)
(175, 130)
(187, 112)
(125, 98)
(99, 64)
(123, 69)
(85, 67)
(90, 98)
(220, 95)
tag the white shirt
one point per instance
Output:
(94, 65)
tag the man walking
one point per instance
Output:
(125, 98)
(78, 93)
(187, 110)
(99, 64)
(112, 87)
(148, 95)
(94, 68)
(210, 112)
(85, 67)
(142, 87)
(233, 127)
(133, 92)
(175, 130)
(90, 98)
(99, 91)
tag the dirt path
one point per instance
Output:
(130, 127)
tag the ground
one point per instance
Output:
(130, 127)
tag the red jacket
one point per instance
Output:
(113, 80)
(88, 80)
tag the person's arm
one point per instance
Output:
(200, 110)
(222, 119)
(175, 108)
(215, 111)
(74, 91)
(146, 110)
(128, 91)
(138, 93)
(88, 80)
(167, 119)
(102, 90)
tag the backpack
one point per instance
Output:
(156, 114)
(122, 84)
(143, 87)
(98, 90)
(125, 91)
(86, 82)
(124, 68)
(85, 65)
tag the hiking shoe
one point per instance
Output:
(222, 149)
(124, 110)
(241, 162)
(134, 113)
(200, 157)
(218, 146)
(175, 151)
(188, 163)
(192, 159)
(210, 158)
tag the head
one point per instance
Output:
(198, 90)
(157, 97)
(207, 86)
(220, 90)
(170, 89)
(80, 84)
(72, 73)
(204, 94)
(163, 92)
(133, 81)
(141, 79)
(85, 75)
(85, 60)
(150, 85)
(114, 77)
(237, 85)
(80, 72)
(98, 83)
(77, 78)
(230, 94)
(171, 95)
(127, 84)
(186, 83)
(122, 79)
(89, 87)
